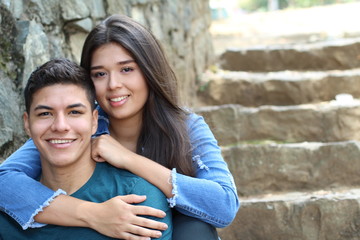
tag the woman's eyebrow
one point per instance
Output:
(126, 62)
(119, 63)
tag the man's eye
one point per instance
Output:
(43, 114)
(75, 112)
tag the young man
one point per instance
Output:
(60, 117)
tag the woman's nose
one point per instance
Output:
(114, 81)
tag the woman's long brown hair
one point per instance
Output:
(164, 135)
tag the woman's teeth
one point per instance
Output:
(118, 99)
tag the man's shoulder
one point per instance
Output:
(9, 228)
(114, 171)
(126, 177)
(107, 182)
(122, 175)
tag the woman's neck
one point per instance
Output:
(126, 132)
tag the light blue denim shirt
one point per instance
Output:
(211, 196)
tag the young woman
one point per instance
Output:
(141, 129)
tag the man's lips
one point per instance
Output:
(61, 141)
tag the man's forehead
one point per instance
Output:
(60, 95)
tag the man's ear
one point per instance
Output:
(95, 116)
(26, 123)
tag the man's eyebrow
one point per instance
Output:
(75, 105)
(119, 63)
(39, 107)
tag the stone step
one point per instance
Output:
(277, 88)
(322, 122)
(337, 54)
(266, 168)
(322, 215)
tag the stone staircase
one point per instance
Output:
(288, 121)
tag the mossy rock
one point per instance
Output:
(11, 61)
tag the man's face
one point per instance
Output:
(61, 122)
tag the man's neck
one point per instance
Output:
(70, 178)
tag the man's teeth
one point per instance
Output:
(58, 141)
(118, 99)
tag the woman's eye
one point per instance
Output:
(98, 74)
(127, 69)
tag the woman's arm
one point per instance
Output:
(196, 197)
(116, 218)
(106, 148)
(213, 185)
(23, 198)
(17, 184)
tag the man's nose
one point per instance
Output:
(60, 123)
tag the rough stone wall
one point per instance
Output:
(34, 31)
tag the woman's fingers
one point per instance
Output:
(148, 223)
(119, 219)
(142, 210)
(132, 198)
(137, 231)
(148, 211)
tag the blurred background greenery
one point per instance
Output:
(222, 8)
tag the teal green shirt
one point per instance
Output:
(105, 183)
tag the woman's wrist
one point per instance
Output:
(65, 210)
(85, 213)
(153, 172)
(129, 161)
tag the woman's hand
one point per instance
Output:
(106, 148)
(117, 218)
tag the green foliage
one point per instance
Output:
(253, 5)
(311, 3)
(203, 87)
(262, 5)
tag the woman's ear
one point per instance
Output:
(26, 123)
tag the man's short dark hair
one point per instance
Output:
(58, 71)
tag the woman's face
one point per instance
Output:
(121, 89)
